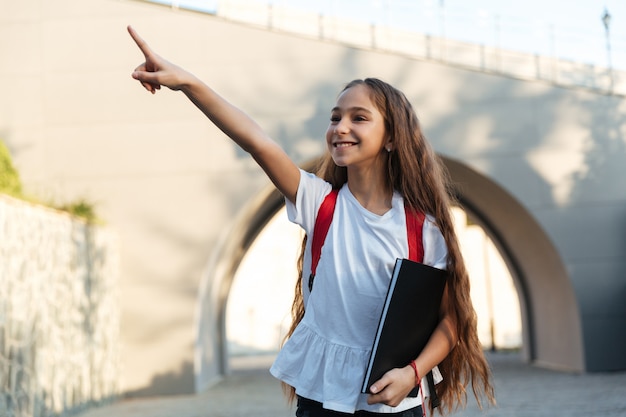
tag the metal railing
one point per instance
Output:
(483, 57)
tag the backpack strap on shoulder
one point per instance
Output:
(414, 226)
(322, 224)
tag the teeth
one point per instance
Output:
(342, 145)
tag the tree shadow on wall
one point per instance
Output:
(600, 183)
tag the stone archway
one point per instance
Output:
(210, 353)
(550, 317)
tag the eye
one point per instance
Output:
(359, 118)
(334, 118)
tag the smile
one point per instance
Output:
(343, 144)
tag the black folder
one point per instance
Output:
(409, 317)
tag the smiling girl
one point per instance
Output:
(381, 165)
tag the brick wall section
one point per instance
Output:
(59, 315)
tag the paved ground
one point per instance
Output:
(521, 391)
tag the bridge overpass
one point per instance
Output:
(539, 162)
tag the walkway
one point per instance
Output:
(521, 391)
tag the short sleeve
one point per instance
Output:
(310, 194)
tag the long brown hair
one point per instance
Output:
(415, 171)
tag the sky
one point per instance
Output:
(567, 29)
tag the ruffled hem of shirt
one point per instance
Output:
(321, 370)
(331, 373)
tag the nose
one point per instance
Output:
(342, 127)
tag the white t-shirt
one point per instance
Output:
(326, 357)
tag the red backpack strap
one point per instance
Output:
(414, 226)
(322, 224)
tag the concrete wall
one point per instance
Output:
(173, 186)
(59, 312)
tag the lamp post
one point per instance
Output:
(606, 20)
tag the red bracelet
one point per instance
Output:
(417, 375)
(418, 382)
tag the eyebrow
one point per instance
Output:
(352, 109)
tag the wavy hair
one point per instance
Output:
(415, 171)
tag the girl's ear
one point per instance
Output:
(388, 145)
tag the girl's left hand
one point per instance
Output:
(393, 387)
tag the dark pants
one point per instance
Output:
(309, 408)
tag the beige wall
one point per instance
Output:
(171, 185)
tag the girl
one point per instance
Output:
(380, 162)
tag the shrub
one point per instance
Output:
(10, 184)
(9, 178)
(81, 208)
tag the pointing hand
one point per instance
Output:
(156, 71)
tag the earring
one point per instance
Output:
(388, 148)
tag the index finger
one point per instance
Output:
(143, 46)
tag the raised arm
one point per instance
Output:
(245, 132)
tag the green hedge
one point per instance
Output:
(9, 178)
(10, 184)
